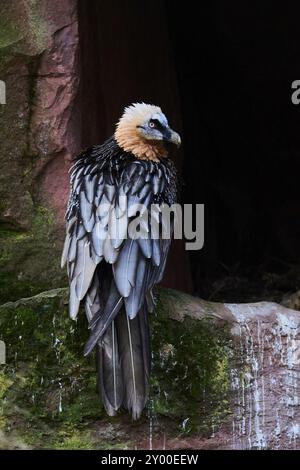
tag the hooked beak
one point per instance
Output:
(173, 137)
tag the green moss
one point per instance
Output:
(83, 440)
(10, 33)
(48, 385)
(37, 24)
(190, 379)
(29, 260)
(76, 441)
(15, 26)
(5, 383)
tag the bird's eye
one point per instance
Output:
(156, 124)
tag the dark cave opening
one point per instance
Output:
(223, 76)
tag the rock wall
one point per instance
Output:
(38, 63)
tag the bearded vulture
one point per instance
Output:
(112, 270)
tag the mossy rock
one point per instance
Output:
(190, 381)
(23, 27)
(48, 389)
(29, 260)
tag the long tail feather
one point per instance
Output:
(134, 353)
(110, 383)
(145, 338)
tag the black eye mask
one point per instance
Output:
(157, 124)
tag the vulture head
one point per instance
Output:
(143, 130)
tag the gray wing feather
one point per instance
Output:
(110, 311)
(64, 255)
(70, 228)
(118, 225)
(145, 246)
(85, 268)
(86, 211)
(99, 234)
(135, 300)
(156, 252)
(72, 249)
(74, 301)
(110, 253)
(93, 303)
(125, 267)
(89, 185)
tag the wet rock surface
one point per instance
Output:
(224, 376)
